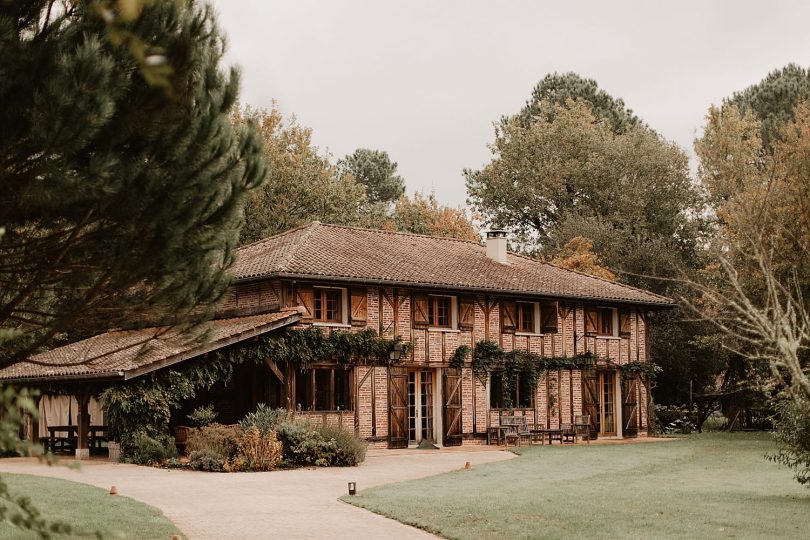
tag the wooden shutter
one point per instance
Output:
(624, 323)
(451, 397)
(508, 317)
(590, 400)
(420, 310)
(466, 313)
(305, 297)
(359, 307)
(591, 321)
(630, 407)
(548, 317)
(397, 407)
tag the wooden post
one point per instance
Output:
(83, 425)
(35, 422)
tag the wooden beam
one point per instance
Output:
(274, 368)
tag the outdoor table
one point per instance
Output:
(551, 434)
(96, 434)
(497, 432)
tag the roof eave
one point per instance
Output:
(489, 290)
(125, 375)
(204, 349)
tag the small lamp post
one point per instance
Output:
(352, 488)
(396, 352)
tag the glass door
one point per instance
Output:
(420, 406)
(607, 405)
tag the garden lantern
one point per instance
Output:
(352, 488)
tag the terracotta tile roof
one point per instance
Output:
(124, 354)
(341, 253)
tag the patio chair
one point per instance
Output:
(582, 425)
(569, 433)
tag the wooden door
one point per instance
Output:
(590, 400)
(397, 407)
(451, 401)
(630, 410)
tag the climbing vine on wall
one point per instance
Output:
(488, 355)
(305, 347)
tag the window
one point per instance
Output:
(328, 305)
(520, 396)
(440, 311)
(323, 389)
(599, 321)
(524, 317)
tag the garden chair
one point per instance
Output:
(582, 425)
(569, 433)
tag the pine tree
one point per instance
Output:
(773, 100)
(122, 178)
(375, 170)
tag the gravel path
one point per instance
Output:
(298, 503)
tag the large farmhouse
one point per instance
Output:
(436, 294)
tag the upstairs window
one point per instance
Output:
(524, 317)
(440, 311)
(599, 321)
(328, 305)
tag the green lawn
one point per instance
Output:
(704, 486)
(87, 509)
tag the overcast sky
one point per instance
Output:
(425, 80)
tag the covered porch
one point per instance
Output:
(70, 378)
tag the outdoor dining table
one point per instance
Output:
(551, 434)
(96, 435)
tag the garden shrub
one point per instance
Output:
(215, 438)
(265, 418)
(675, 419)
(350, 450)
(203, 416)
(305, 444)
(256, 451)
(792, 434)
(206, 460)
(145, 450)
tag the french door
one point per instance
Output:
(420, 406)
(607, 409)
(599, 401)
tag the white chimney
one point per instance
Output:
(496, 245)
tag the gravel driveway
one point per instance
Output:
(298, 503)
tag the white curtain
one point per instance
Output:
(61, 411)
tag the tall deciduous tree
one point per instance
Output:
(120, 198)
(758, 294)
(423, 214)
(576, 162)
(302, 184)
(375, 170)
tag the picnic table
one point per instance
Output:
(65, 438)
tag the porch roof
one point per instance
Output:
(125, 354)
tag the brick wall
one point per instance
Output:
(558, 396)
